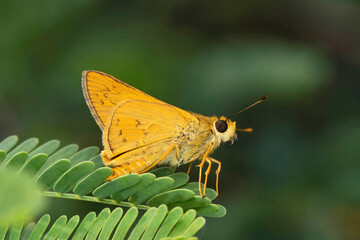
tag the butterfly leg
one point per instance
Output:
(201, 166)
(217, 172)
(160, 159)
(177, 151)
(207, 173)
(188, 171)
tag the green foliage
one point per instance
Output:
(156, 223)
(69, 173)
(68, 170)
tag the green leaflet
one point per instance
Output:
(40, 227)
(162, 172)
(155, 222)
(146, 180)
(194, 227)
(25, 146)
(220, 211)
(84, 226)
(32, 166)
(195, 202)
(72, 176)
(115, 185)
(184, 222)
(142, 224)
(25, 234)
(62, 153)
(170, 221)
(194, 186)
(111, 223)
(171, 197)
(2, 156)
(69, 228)
(93, 180)
(17, 160)
(97, 160)
(46, 148)
(16, 230)
(98, 224)
(179, 178)
(8, 143)
(3, 230)
(208, 210)
(156, 187)
(56, 228)
(52, 173)
(84, 154)
(180, 238)
(126, 223)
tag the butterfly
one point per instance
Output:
(140, 131)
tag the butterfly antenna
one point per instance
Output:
(259, 101)
(245, 129)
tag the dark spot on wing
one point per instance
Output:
(124, 140)
(120, 132)
(101, 102)
(138, 123)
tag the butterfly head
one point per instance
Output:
(225, 130)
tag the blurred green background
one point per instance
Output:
(296, 177)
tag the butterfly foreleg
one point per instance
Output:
(201, 166)
(217, 172)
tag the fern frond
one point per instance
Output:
(156, 223)
(70, 173)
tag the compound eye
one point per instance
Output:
(221, 126)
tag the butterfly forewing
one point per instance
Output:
(102, 92)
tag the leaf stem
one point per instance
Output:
(91, 199)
